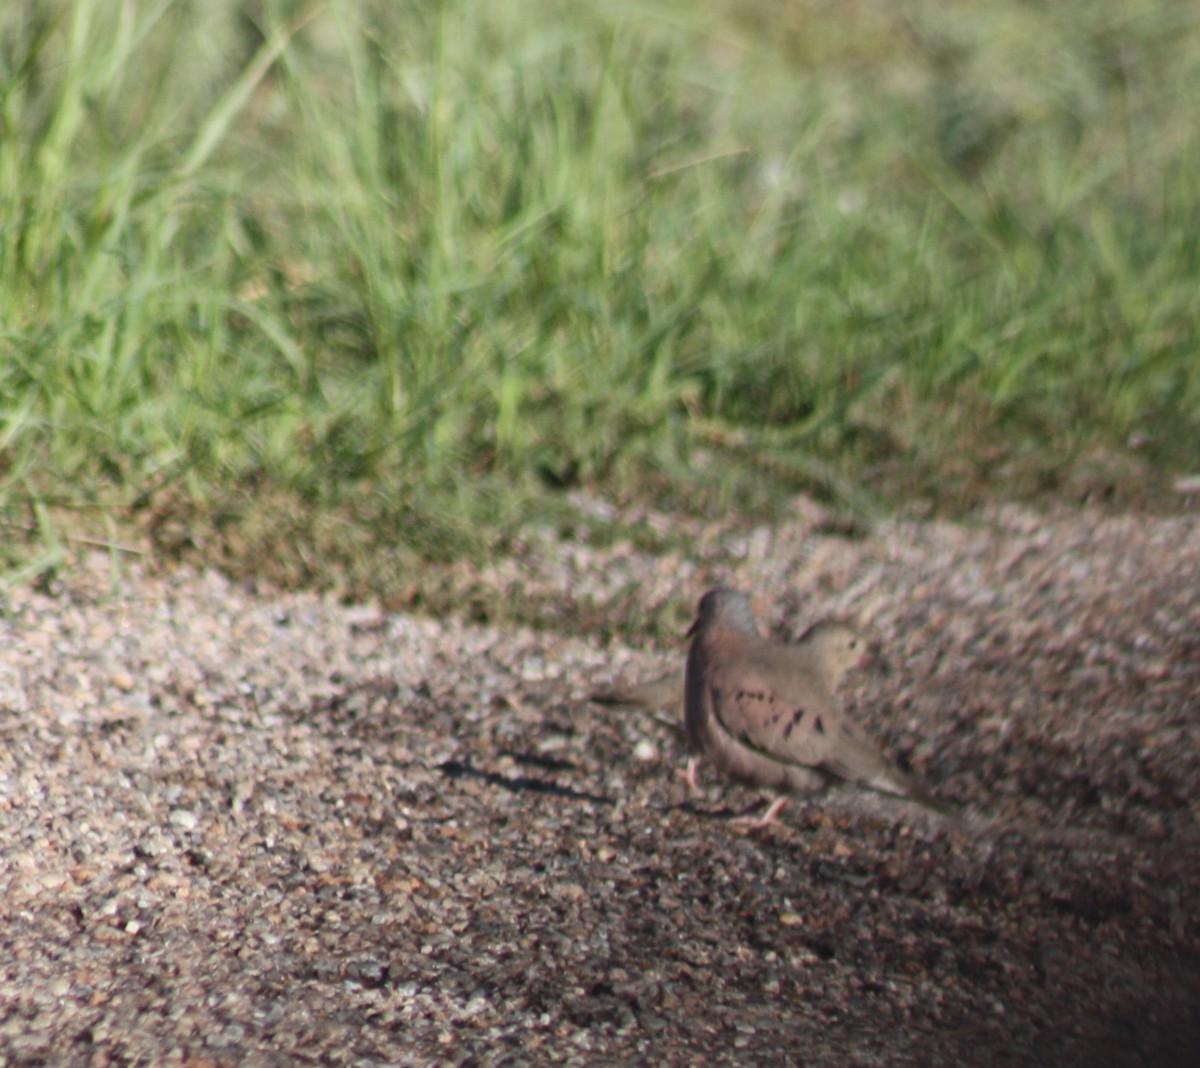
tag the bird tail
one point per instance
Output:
(901, 785)
(665, 692)
(868, 768)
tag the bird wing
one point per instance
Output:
(776, 704)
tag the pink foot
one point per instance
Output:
(689, 776)
(757, 822)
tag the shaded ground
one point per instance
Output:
(269, 829)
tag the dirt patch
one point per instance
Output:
(255, 828)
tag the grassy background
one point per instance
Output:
(318, 291)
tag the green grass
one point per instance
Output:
(353, 275)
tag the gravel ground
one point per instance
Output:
(248, 828)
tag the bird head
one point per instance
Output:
(838, 645)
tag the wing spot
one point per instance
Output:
(792, 723)
(753, 695)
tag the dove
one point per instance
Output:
(765, 713)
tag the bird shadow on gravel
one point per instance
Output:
(457, 769)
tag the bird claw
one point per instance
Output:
(756, 823)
